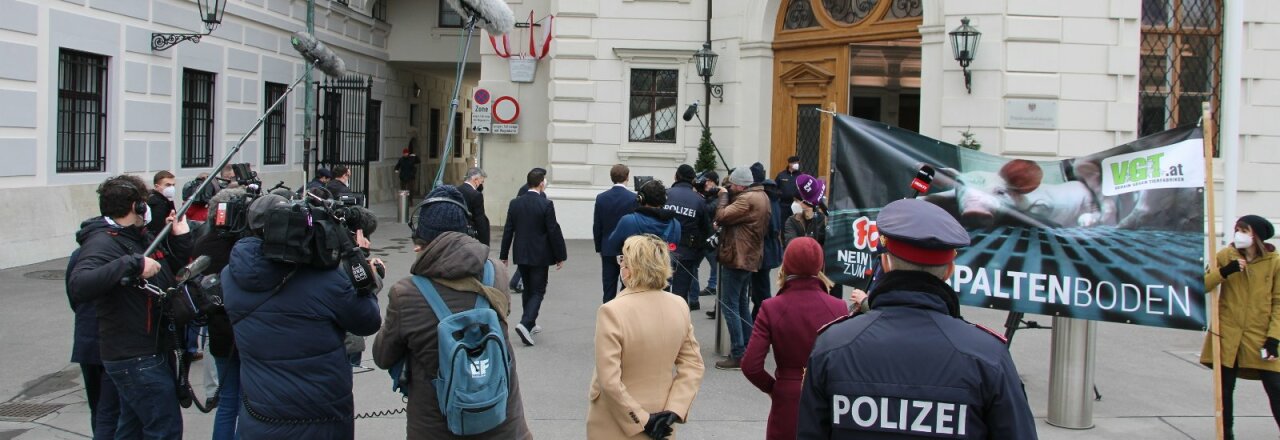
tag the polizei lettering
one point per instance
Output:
(905, 416)
(681, 210)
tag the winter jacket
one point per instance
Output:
(743, 223)
(84, 345)
(410, 330)
(695, 222)
(646, 220)
(130, 324)
(773, 234)
(797, 226)
(788, 323)
(295, 380)
(787, 190)
(1249, 312)
(407, 167)
(160, 207)
(912, 351)
(217, 246)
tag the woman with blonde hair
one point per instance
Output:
(789, 323)
(648, 367)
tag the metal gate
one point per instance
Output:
(342, 121)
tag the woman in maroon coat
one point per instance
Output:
(789, 322)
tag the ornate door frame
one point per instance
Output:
(812, 58)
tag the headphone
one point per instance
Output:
(640, 190)
(139, 207)
(471, 231)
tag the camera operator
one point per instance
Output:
(134, 336)
(695, 225)
(217, 245)
(289, 321)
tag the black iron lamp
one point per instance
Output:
(210, 13)
(705, 60)
(964, 43)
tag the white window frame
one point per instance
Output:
(679, 60)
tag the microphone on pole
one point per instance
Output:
(494, 15)
(692, 110)
(318, 54)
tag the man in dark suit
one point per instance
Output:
(532, 226)
(472, 189)
(611, 205)
(339, 185)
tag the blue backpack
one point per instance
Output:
(472, 381)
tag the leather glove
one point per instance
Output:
(1230, 268)
(1271, 348)
(659, 425)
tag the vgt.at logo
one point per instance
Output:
(480, 368)
(865, 234)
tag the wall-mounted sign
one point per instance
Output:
(506, 110)
(506, 128)
(481, 97)
(481, 112)
(1036, 114)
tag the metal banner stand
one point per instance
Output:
(1071, 373)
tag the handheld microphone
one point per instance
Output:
(495, 16)
(924, 178)
(317, 53)
(692, 110)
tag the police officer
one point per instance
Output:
(695, 224)
(911, 367)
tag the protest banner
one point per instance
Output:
(1113, 236)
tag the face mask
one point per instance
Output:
(146, 217)
(795, 167)
(797, 207)
(480, 188)
(169, 192)
(1243, 240)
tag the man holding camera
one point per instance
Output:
(744, 213)
(289, 321)
(134, 336)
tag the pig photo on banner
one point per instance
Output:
(1114, 236)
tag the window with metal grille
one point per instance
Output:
(373, 129)
(1181, 58)
(82, 112)
(273, 129)
(448, 18)
(654, 93)
(197, 119)
(379, 11)
(433, 147)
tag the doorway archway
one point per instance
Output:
(859, 57)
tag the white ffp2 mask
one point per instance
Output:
(1242, 240)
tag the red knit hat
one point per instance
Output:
(803, 258)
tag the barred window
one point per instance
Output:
(373, 129)
(273, 129)
(1181, 58)
(82, 112)
(449, 18)
(197, 119)
(653, 105)
(434, 133)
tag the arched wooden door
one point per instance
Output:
(812, 68)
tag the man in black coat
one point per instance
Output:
(472, 189)
(407, 169)
(787, 185)
(912, 359)
(532, 227)
(339, 185)
(133, 334)
(611, 206)
(160, 200)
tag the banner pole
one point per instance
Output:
(1215, 340)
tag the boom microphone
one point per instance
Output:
(692, 110)
(493, 15)
(318, 54)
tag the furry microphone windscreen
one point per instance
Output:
(494, 15)
(316, 52)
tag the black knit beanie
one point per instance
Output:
(685, 173)
(438, 218)
(1260, 226)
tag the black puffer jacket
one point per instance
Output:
(217, 247)
(129, 318)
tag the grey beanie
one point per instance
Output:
(741, 176)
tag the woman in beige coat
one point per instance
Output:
(648, 367)
(1249, 273)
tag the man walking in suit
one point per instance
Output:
(611, 206)
(531, 225)
(472, 189)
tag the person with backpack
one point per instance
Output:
(289, 321)
(458, 275)
(648, 367)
